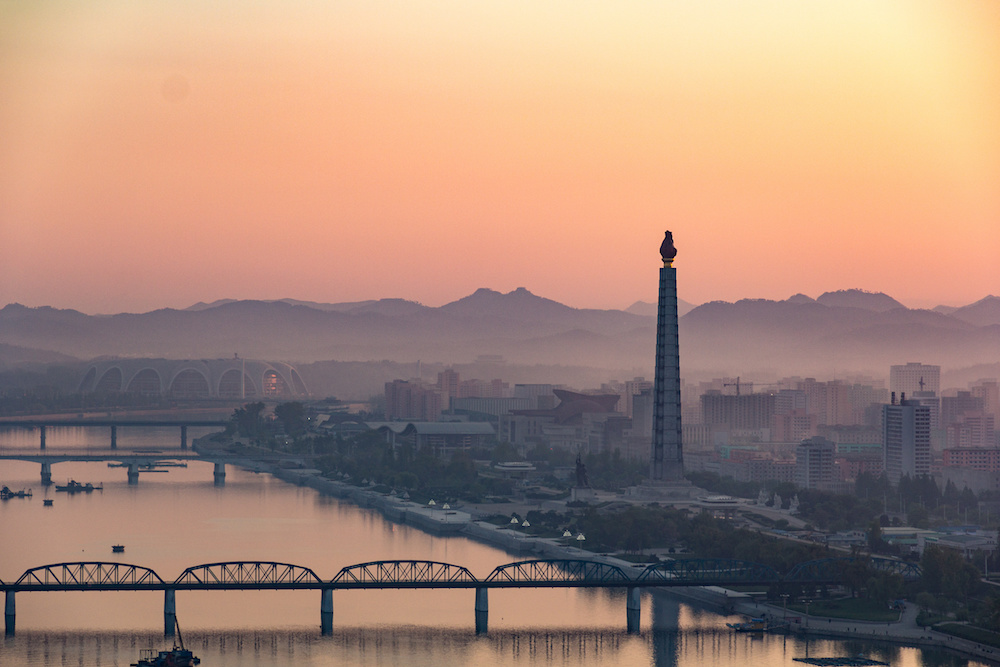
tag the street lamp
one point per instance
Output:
(807, 601)
(784, 607)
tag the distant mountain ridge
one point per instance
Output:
(848, 330)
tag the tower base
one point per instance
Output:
(582, 494)
(674, 490)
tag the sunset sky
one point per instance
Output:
(155, 154)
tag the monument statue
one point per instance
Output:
(582, 481)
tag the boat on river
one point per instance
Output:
(178, 656)
(847, 661)
(753, 625)
(7, 494)
(74, 486)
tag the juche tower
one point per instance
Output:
(667, 461)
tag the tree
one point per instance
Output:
(875, 542)
(918, 516)
(946, 574)
(248, 421)
(292, 417)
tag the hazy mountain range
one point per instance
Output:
(839, 332)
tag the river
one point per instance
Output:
(174, 520)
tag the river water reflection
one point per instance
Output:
(174, 520)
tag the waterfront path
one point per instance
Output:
(905, 630)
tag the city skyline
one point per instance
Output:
(162, 155)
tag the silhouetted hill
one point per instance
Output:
(16, 356)
(856, 298)
(647, 309)
(982, 313)
(808, 337)
(385, 306)
(839, 332)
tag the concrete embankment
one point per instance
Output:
(440, 521)
(435, 520)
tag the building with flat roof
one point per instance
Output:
(443, 438)
(906, 440)
(814, 467)
(913, 377)
(412, 399)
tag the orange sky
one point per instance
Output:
(154, 154)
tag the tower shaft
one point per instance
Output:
(667, 461)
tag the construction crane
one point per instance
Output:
(737, 385)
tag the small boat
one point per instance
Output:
(73, 486)
(175, 657)
(847, 661)
(118, 548)
(7, 494)
(178, 656)
(47, 502)
(753, 625)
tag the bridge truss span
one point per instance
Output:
(834, 569)
(89, 576)
(708, 571)
(404, 574)
(248, 575)
(558, 572)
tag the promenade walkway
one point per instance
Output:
(904, 630)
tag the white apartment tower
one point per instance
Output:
(814, 463)
(914, 377)
(906, 440)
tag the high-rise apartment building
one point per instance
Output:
(953, 407)
(447, 383)
(743, 412)
(906, 440)
(989, 392)
(914, 377)
(974, 428)
(814, 467)
(412, 400)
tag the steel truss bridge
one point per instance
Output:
(414, 574)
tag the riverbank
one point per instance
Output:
(439, 520)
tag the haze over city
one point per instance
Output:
(158, 155)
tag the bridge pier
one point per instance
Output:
(482, 611)
(46, 474)
(184, 437)
(133, 474)
(114, 436)
(326, 612)
(169, 612)
(42, 431)
(220, 473)
(632, 610)
(9, 614)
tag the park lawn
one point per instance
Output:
(970, 632)
(852, 609)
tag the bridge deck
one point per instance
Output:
(554, 573)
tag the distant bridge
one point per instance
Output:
(43, 424)
(414, 574)
(133, 459)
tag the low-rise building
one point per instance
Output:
(444, 438)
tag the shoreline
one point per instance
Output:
(438, 521)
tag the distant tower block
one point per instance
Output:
(667, 464)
